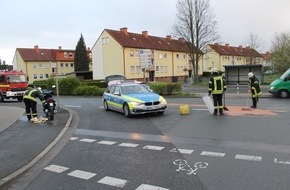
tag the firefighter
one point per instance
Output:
(254, 89)
(217, 87)
(30, 100)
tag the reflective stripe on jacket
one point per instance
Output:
(33, 94)
(255, 87)
(217, 85)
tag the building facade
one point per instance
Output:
(219, 56)
(41, 64)
(118, 53)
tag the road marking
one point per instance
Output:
(106, 142)
(128, 145)
(149, 147)
(73, 138)
(182, 151)
(281, 161)
(88, 140)
(113, 181)
(81, 174)
(248, 157)
(213, 154)
(72, 106)
(56, 168)
(150, 187)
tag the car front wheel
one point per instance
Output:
(284, 94)
(126, 110)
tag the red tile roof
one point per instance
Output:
(235, 51)
(267, 55)
(35, 54)
(144, 41)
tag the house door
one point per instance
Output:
(151, 76)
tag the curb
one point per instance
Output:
(40, 155)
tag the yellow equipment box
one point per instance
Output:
(184, 110)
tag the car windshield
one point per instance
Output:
(285, 75)
(16, 78)
(134, 89)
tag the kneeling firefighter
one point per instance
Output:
(30, 101)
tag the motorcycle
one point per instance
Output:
(49, 106)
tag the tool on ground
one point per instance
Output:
(225, 108)
(208, 102)
(247, 105)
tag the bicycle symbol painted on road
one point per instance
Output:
(184, 166)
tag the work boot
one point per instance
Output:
(253, 107)
(221, 113)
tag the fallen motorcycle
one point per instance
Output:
(49, 106)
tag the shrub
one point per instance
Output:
(89, 91)
(68, 85)
(165, 88)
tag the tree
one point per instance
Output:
(280, 57)
(253, 43)
(195, 23)
(81, 61)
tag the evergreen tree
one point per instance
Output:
(81, 62)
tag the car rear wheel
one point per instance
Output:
(126, 110)
(284, 94)
(106, 105)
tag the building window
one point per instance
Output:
(177, 56)
(71, 64)
(105, 40)
(47, 76)
(39, 65)
(34, 76)
(66, 65)
(71, 55)
(41, 76)
(138, 69)
(165, 55)
(61, 64)
(65, 54)
(184, 56)
(157, 68)
(131, 53)
(132, 69)
(34, 65)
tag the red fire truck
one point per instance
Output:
(12, 85)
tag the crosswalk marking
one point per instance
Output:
(150, 147)
(150, 187)
(248, 157)
(128, 145)
(113, 181)
(106, 142)
(185, 151)
(81, 174)
(213, 154)
(88, 140)
(73, 138)
(56, 168)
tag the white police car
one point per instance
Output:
(131, 98)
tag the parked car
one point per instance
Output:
(281, 86)
(131, 98)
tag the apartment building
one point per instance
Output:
(41, 64)
(117, 52)
(219, 56)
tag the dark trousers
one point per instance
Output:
(255, 100)
(218, 103)
(30, 108)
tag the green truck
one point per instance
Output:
(281, 86)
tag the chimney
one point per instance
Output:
(125, 30)
(59, 47)
(181, 40)
(36, 48)
(227, 45)
(89, 49)
(168, 37)
(145, 34)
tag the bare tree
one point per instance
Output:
(195, 23)
(280, 57)
(254, 44)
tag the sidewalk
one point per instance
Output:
(23, 143)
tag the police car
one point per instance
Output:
(132, 98)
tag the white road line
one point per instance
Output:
(149, 147)
(128, 145)
(248, 157)
(106, 142)
(150, 187)
(81, 174)
(72, 106)
(88, 140)
(113, 181)
(56, 168)
(73, 138)
(213, 154)
(185, 151)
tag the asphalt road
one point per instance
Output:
(183, 152)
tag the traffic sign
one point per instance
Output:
(145, 58)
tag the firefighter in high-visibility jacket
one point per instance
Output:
(254, 89)
(217, 87)
(30, 100)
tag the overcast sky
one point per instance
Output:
(53, 23)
